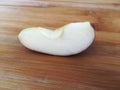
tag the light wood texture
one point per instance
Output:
(108, 4)
(97, 68)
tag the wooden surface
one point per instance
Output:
(97, 68)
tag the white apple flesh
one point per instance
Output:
(71, 39)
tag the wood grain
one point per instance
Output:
(102, 4)
(97, 68)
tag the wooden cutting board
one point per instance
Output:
(97, 68)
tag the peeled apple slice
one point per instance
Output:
(68, 40)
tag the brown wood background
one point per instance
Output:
(97, 68)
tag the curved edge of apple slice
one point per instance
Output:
(52, 34)
(87, 36)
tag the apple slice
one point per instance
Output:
(68, 40)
